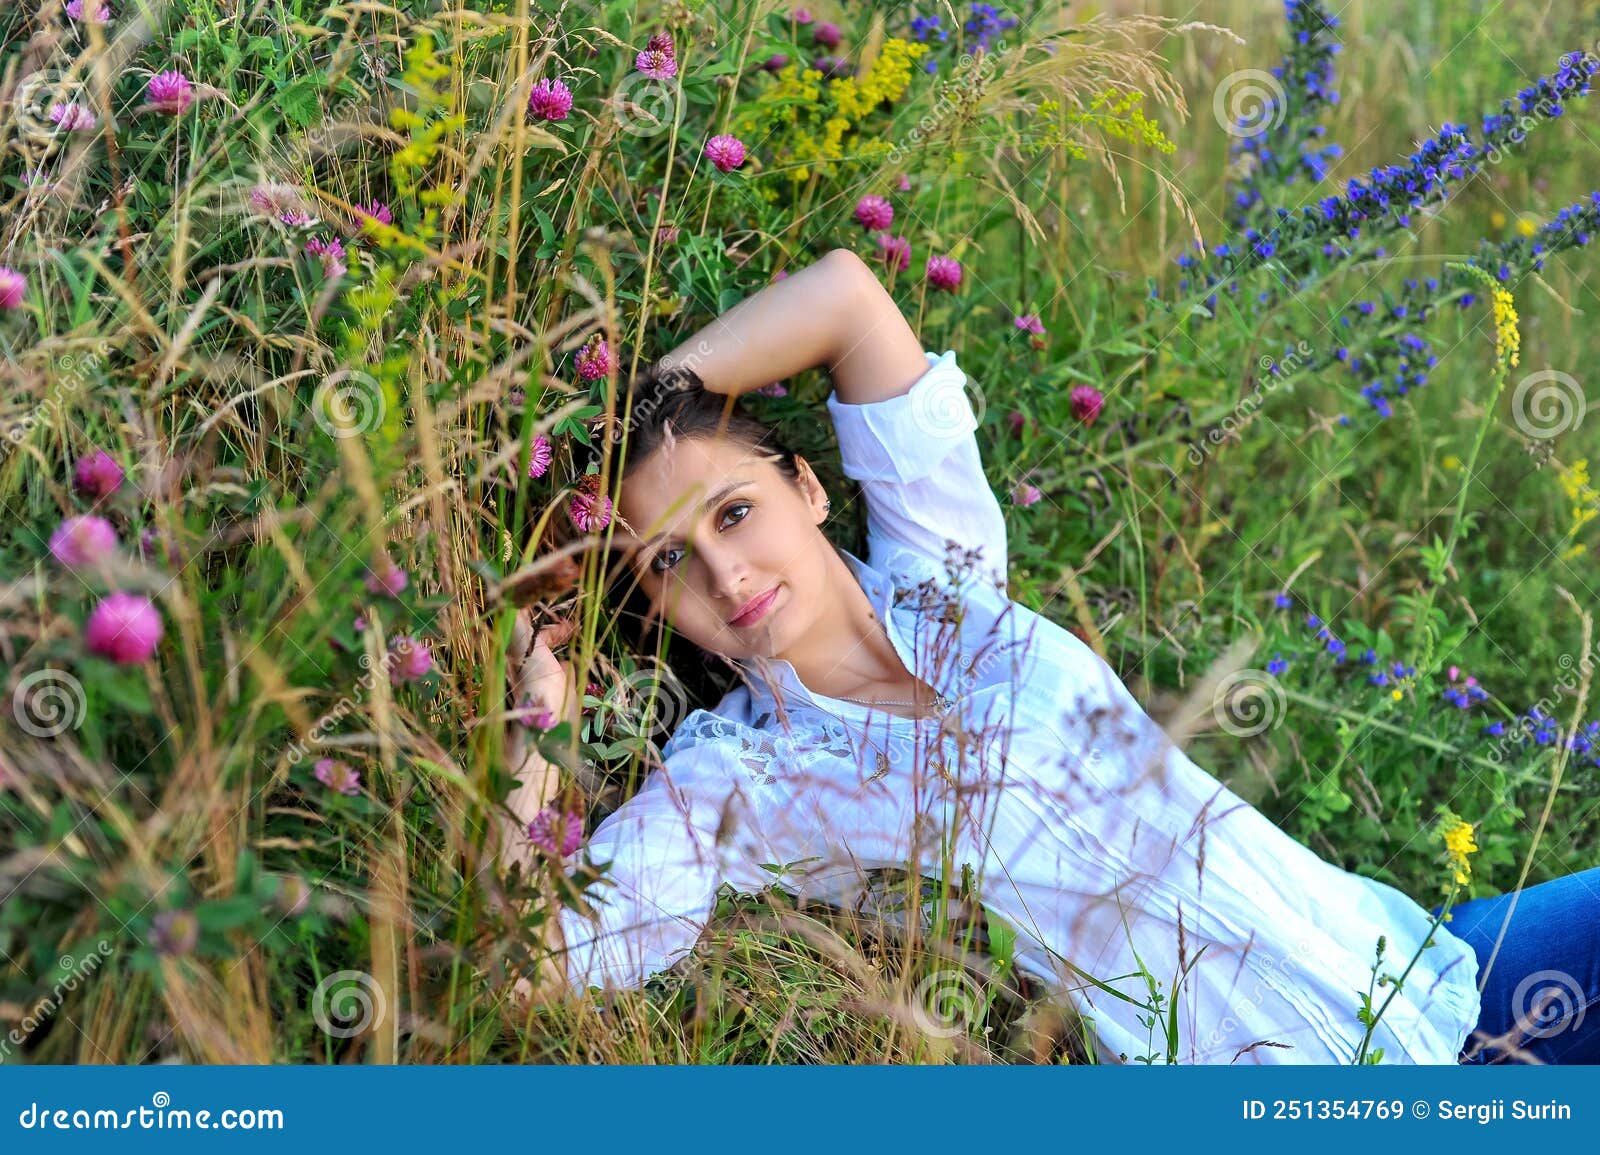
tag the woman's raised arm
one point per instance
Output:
(833, 312)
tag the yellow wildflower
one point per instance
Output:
(1507, 337)
(1451, 462)
(1497, 219)
(1527, 226)
(1585, 499)
(1459, 846)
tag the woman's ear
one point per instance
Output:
(816, 496)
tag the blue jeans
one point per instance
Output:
(1541, 993)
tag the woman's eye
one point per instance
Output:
(659, 563)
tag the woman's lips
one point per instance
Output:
(756, 610)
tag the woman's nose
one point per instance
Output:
(725, 574)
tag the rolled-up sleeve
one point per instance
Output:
(916, 459)
(660, 888)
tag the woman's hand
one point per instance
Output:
(539, 681)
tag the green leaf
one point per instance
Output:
(127, 691)
(300, 100)
(226, 913)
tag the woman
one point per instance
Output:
(902, 711)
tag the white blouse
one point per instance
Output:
(1089, 833)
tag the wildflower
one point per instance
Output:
(725, 151)
(280, 202)
(1029, 323)
(338, 776)
(594, 359)
(124, 627)
(1087, 401)
(549, 100)
(922, 27)
(776, 389)
(1459, 846)
(83, 541)
(657, 63)
(372, 215)
(896, 251)
(534, 716)
(540, 456)
(408, 659)
(827, 34)
(801, 16)
(944, 273)
(294, 895)
(555, 833)
(331, 253)
(1017, 421)
(874, 212)
(589, 509)
(1278, 665)
(13, 287)
(1282, 601)
(832, 67)
(985, 23)
(100, 15)
(386, 577)
(72, 117)
(169, 91)
(98, 475)
(150, 540)
(666, 234)
(1507, 337)
(1025, 494)
(174, 933)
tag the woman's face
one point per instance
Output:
(713, 529)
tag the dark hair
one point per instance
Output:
(676, 398)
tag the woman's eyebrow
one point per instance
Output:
(712, 498)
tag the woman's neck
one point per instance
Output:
(848, 647)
